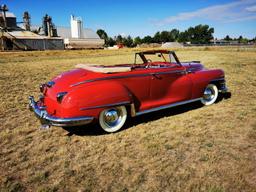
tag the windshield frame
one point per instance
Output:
(142, 55)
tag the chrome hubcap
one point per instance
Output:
(209, 94)
(111, 117)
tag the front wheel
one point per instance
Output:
(113, 119)
(210, 94)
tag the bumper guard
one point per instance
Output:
(47, 119)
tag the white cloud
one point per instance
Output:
(251, 9)
(235, 11)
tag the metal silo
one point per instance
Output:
(76, 27)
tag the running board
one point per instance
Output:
(167, 106)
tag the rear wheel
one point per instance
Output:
(113, 119)
(210, 94)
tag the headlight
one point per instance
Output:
(60, 96)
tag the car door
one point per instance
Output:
(137, 83)
(169, 85)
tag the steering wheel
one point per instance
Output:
(149, 61)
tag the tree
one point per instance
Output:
(128, 42)
(240, 38)
(157, 37)
(200, 34)
(183, 37)
(174, 35)
(208, 33)
(119, 39)
(227, 38)
(103, 35)
(137, 41)
(164, 36)
(147, 39)
(111, 42)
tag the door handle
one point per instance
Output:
(189, 71)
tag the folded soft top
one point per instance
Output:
(103, 69)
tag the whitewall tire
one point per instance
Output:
(112, 119)
(210, 94)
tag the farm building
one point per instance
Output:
(77, 37)
(46, 36)
(13, 37)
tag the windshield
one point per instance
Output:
(159, 57)
(150, 57)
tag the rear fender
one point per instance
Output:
(90, 99)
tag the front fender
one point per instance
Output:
(90, 99)
(202, 78)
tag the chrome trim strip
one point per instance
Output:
(45, 118)
(107, 105)
(107, 78)
(167, 106)
(127, 76)
(169, 72)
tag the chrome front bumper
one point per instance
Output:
(47, 119)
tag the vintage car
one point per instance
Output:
(109, 94)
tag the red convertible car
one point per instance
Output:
(108, 94)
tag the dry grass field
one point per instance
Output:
(188, 148)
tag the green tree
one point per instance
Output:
(128, 42)
(227, 38)
(200, 34)
(119, 39)
(157, 37)
(111, 42)
(242, 40)
(164, 36)
(174, 35)
(183, 37)
(103, 35)
(147, 39)
(137, 41)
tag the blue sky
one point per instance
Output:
(145, 17)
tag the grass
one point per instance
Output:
(188, 148)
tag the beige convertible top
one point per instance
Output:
(103, 69)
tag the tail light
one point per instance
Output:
(42, 88)
(60, 96)
(50, 84)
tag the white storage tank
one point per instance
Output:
(76, 27)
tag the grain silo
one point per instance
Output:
(78, 37)
(76, 27)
